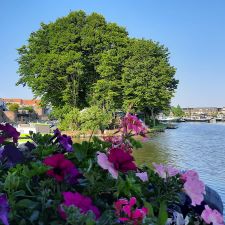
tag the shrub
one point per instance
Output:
(13, 107)
(95, 118)
(71, 120)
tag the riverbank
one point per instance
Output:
(81, 134)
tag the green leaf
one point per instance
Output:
(19, 193)
(135, 143)
(90, 221)
(163, 215)
(26, 203)
(150, 209)
(80, 152)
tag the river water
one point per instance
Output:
(198, 146)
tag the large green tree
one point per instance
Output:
(59, 62)
(108, 89)
(147, 77)
(81, 60)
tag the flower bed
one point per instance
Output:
(54, 181)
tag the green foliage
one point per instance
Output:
(71, 120)
(88, 119)
(177, 111)
(94, 118)
(28, 108)
(77, 218)
(136, 144)
(148, 78)
(13, 107)
(60, 112)
(60, 59)
(163, 215)
(82, 61)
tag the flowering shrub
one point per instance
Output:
(54, 181)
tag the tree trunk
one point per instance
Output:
(153, 116)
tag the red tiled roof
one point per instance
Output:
(19, 101)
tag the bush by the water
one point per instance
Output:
(54, 181)
(91, 118)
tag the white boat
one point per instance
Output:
(168, 119)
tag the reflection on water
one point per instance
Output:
(199, 146)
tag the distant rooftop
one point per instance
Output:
(20, 101)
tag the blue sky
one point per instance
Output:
(193, 30)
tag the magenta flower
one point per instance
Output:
(165, 171)
(7, 131)
(212, 216)
(117, 160)
(103, 162)
(127, 212)
(122, 160)
(193, 187)
(80, 201)
(132, 123)
(4, 209)
(62, 168)
(143, 176)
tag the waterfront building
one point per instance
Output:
(198, 111)
(24, 115)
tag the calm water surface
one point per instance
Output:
(199, 146)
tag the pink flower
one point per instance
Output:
(193, 187)
(117, 160)
(143, 176)
(62, 168)
(103, 162)
(82, 202)
(115, 140)
(212, 216)
(132, 123)
(165, 171)
(119, 142)
(126, 211)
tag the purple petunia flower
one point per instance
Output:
(8, 131)
(4, 209)
(1, 151)
(12, 155)
(57, 132)
(64, 140)
(73, 176)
